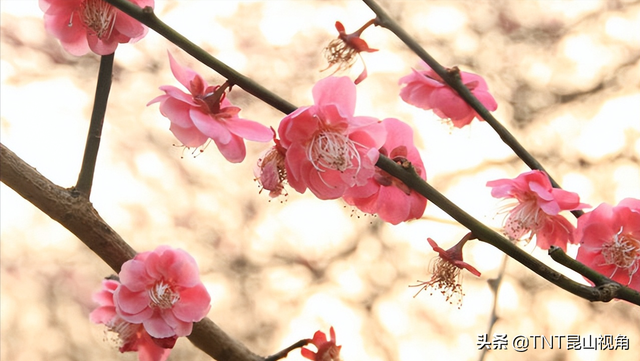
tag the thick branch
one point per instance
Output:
(76, 214)
(455, 82)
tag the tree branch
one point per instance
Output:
(455, 82)
(407, 175)
(76, 214)
(148, 18)
(85, 178)
(604, 284)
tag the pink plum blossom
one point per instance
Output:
(537, 210)
(343, 50)
(445, 271)
(132, 337)
(327, 350)
(205, 113)
(83, 25)
(162, 290)
(425, 89)
(609, 239)
(385, 195)
(328, 148)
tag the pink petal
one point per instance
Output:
(194, 304)
(178, 94)
(149, 351)
(183, 74)
(339, 91)
(130, 303)
(189, 137)
(210, 127)
(157, 327)
(249, 130)
(103, 315)
(306, 353)
(134, 275)
(487, 100)
(177, 112)
(234, 151)
(393, 205)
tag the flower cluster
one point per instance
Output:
(157, 299)
(323, 147)
(91, 25)
(384, 194)
(537, 212)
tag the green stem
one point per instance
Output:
(405, 174)
(454, 81)
(85, 178)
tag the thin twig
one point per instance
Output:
(85, 178)
(494, 285)
(455, 82)
(147, 17)
(283, 353)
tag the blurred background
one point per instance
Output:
(566, 75)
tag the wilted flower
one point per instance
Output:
(206, 113)
(131, 337)
(328, 148)
(83, 25)
(327, 349)
(445, 271)
(162, 290)
(537, 210)
(610, 241)
(425, 89)
(270, 170)
(385, 195)
(343, 50)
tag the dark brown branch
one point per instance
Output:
(605, 285)
(85, 178)
(148, 18)
(409, 176)
(283, 353)
(454, 81)
(76, 214)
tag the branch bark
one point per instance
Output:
(76, 213)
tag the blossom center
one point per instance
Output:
(99, 16)
(623, 252)
(525, 218)
(339, 52)
(124, 330)
(163, 296)
(332, 150)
